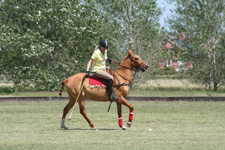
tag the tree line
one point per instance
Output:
(203, 22)
(43, 42)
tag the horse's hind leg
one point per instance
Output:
(83, 113)
(65, 111)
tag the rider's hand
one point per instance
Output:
(87, 74)
(109, 60)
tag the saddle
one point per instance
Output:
(95, 81)
(98, 82)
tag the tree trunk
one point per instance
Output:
(215, 86)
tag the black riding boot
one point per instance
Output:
(110, 90)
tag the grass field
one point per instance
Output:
(163, 92)
(175, 126)
(156, 87)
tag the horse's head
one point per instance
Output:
(137, 62)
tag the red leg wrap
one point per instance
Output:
(120, 121)
(131, 115)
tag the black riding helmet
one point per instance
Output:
(104, 44)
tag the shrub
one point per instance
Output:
(7, 89)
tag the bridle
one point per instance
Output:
(137, 69)
(130, 68)
(139, 64)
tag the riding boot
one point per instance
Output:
(110, 90)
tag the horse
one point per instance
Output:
(78, 88)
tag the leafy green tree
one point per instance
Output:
(45, 41)
(135, 25)
(203, 22)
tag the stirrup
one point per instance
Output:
(113, 97)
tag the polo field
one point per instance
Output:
(156, 125)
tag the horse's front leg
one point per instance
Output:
(120, 119)
(124, 102)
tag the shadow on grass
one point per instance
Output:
(79, 129)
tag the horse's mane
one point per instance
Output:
(125, 58)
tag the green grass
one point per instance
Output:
(163, 92)
(154, 87)
(175, 126)
(37, 94)
(174, 92)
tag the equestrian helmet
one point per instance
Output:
(104, 44)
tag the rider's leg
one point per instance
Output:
(110, 86)
(110, 89)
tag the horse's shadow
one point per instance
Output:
(80, 129)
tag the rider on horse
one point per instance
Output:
(97, 61)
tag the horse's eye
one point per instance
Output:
(136, 58)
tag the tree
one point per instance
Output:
(43, 42)
(134, 25)
(203, 22)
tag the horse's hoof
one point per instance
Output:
(129, 124)
(124, 128)
(94, 128)
(64, 127)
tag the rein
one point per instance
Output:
(130, 68)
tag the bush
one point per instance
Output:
(6, 89)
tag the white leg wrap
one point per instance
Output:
(124, 128)
(63, 124)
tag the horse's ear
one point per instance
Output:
(129, 52)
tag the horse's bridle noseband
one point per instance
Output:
(130, 68)
(139, 64)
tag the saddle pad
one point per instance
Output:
(95, 81)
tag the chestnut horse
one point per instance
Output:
(122, 79)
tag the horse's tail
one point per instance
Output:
(62, 87)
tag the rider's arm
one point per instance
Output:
(89, 64)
